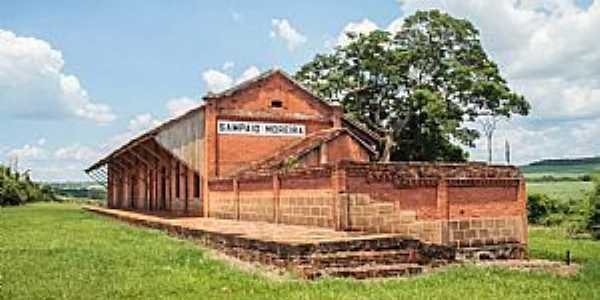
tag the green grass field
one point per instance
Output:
(564, 191)
(58, 251)
(573, 170)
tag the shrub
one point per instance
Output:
(543, 209)
(594, 205)
(17, 189)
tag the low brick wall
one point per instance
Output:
(303, 198)
(306, 207)
(463, 205)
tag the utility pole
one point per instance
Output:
(507, 151)
(488, 126)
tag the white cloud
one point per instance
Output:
(77, 152)
(249, 73)
(217, 81)
(33, 85)
(228, 65)
(178, 106)
(137, 125)
(27, 152)
(544, 48)
(531, 142)
(547, 51)
(363, 27)
(283, 29)
(142, 122)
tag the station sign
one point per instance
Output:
(260, 128)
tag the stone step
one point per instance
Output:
(368, 271)
(360, 258)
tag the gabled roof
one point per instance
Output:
(350, 120)
(248, 83)
(239, 87)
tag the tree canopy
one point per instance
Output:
(418, 87)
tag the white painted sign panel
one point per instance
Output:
(261, 128)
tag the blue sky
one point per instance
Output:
(79, 77)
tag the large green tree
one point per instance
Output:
(419, 87)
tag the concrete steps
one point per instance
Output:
(361, 258)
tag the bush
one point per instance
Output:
(548, 211)
(545, 210)
(594, 205)
(17, 189)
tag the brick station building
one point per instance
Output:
(270, 150)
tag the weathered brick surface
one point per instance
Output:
(306, 207)
(303, 198)
(232, 152)
(257, 206)
(475, 232)
(414, 200)
(223, 205)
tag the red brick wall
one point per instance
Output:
(232, 152)
(237, 151)
(258, 98)
(467, 211)
(428, 202)
(306, 207)
(345, 147)
(478, 202)
(295, 198)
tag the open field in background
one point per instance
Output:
(563, 191)
(573, 170)
(58, 251)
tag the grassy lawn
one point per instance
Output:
(566, 170)
(58, 251)
(564, 191)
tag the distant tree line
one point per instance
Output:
(81, 193)
(567, 162)
(552, 178)
(18, 189)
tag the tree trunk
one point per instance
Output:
(387, 149)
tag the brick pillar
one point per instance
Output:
(210, 150)
(153, 192)
(339, 208)
(109, 187)
(126, 190)
(172, 185)
(276, 197)
(182, 187)
(159, 177)
(191, 192)
(141, 188)
(522, 198)
(443, 211)
(147, 188)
